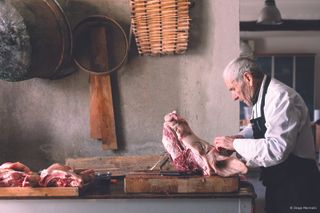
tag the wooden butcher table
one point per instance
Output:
(116, 200)
(119, 202)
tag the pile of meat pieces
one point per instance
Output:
(57, 175)
(189, 153)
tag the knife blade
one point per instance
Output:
(163, 159)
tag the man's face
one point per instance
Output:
(240, 90)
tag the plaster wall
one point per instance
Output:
(45, 121)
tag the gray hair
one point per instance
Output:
(237, 67)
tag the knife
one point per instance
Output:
(163, 159)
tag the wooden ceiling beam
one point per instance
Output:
(287, 25)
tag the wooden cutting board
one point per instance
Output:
(117, 165)
(145, 183)
(39, 192)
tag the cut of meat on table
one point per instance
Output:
(17, 175)
(58, 175)
(17, 166)
(189, 153)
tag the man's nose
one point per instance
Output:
(235, 97)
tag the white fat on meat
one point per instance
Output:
(58, 175)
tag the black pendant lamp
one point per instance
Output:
(270, 15)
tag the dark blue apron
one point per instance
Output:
(292, 184)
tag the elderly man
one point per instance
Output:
(278, 139)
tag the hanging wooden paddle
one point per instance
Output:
(102, 122)
(100, 48)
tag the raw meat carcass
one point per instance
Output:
(58, 175)
(189, 153)
(17, 175)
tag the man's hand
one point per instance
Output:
(224, 142)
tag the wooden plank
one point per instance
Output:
(102, 122)
(101, 112)
(118, 165)
(180, 184)
(39, 192)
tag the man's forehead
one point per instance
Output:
(230, 83)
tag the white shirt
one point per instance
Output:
(288, 128)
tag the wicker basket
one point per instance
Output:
(160, 26)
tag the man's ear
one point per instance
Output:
(248, 78)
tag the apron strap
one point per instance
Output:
(265, 88)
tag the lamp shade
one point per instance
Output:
(270, 15)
